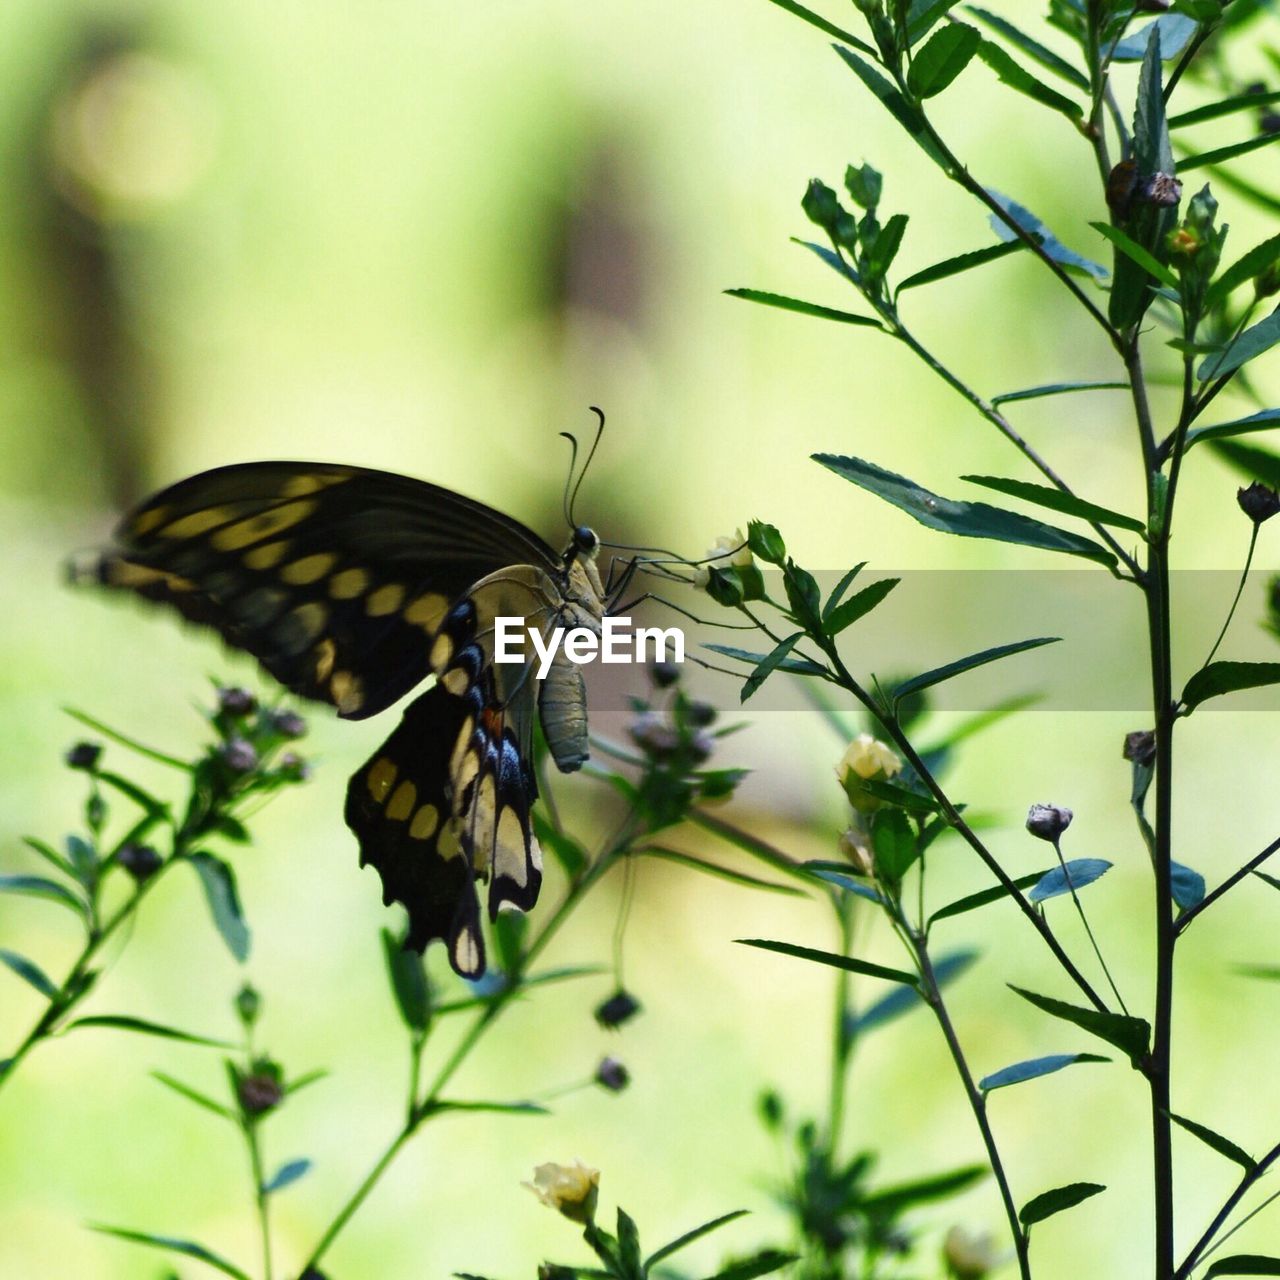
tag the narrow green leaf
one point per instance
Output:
(1228, 677)
(29, 972)
(189, 1248)
(50, 855)
(1136, 253)
(864, 967)
(803, 308)
(1034, 1068)
(1244, 1264)
(1248, 346)
(837, 592)
(942, 58)
(798, 666)
(40, 887)
(1223, 1146)
(628, 1245)
(125, 1022)
(981, 720)
(1055, 500)
(1267, 420)
(1224, 107)
(715, 869)
(1152, 148)
(194, 1095)
(139, 795)
(858, 606)
(900, 797)
(961, 665)
(895, 844)
(1221, 154)
(286, 1175)
(972, 901)
(763, 1263)
(923, 14)
(960, 263)
(1249, 460)
(1074, 874)
(689, 1237)
(1246, 268)
(1048, 1203)
(1048, 242)
(1254, 194)
(814, 20)
(1132, 1035)
(946, 969)
(408, 975)
(967, 519)
(907, 115)
(219, 883)
(894, 1200)
(769, 664)
(1012, 73)
(1056, 389)
(1032, 48)
(140, 748)
(502, 1108)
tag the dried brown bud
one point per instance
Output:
(141, 861)
(1140, 746)
(239, 756)
(84, 755)
(1161, 189)
(618, 1008)
(236, 701)
(1258, 502)
(259, 1093)
(612, 1075)
(1048, 821)
(664, 674)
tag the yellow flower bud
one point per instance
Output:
(729, 552)
(867, 759)
(968, 1257)
(569, 1189)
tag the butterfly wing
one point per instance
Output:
(336, 578)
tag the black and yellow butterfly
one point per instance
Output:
(351, 586)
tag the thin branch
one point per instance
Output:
(1226, 886)
(1250, 1177)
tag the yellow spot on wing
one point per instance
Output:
(123, 573)
(385, 600)
(510, 859)
(466, 950)
(325, 654)
(266, 556)
(301, 485)
(348, 584)
(441, 652)
(381, 775)
(145, 521)
(402, 802)
(196, 523)
(448, 846)
(307, 621)
(245, 533)
(424, 823)
(426, 611)
(308, 569)
(456, 681)
(347, 691)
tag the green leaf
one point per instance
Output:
(864, 967)
(972, 901)
(1056, 389)
(858, 606)
(1267, 420)
(962, 262)
(894, 843)
(219, 884)
(761, 1264)
(769, 664)
(798, 666)
(1248, 346)
(689, 1237)
(879, 256)
(907, 115)
(1074, 874)
(1257, 464)
(803, 597)
(803, 308)
(141, 797)
(286, 1175)
(1017, 77)
(125, 1022)
(1244, 1264)
(1034, 1068)
(1226, 106)
(1206, 158)
(571, 856)
(50, 855)
(1174, 30)
(1244, 269)
(628, 1245)
(1132, 250)
(125, 741)
(902, 797)
(961, 665)
(814, 20)
(1223, 1146)
(1046, 496)
(40, 887)
(946, 969)
(766, 542)
(1131, 1035)
(894, 1200)
(1032, 48)
(408, 974)
(967, 519)
(1186, 886)
(194, 1095)
(923, 14)
(1047, 1203)
(1048, 242)
(837, 592)
(501, 1108)
(29, 972)
(942, 58)
(1228, 677)
(715, 869)
(187, 1247)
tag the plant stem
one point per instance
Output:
(1228, 1207)
(250, 1129)
(1228, 884)
(1231, 613)
(1084, 920)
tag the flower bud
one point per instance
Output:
(728, 553)
(1140, 746)
(1048, 821)
(664, 674)
(653, 735)
(821, 206)
(864, 185)
(855, 848)
(620, 1007)
(1160, 189)
(236, 701)
(866, 759)
(612, 1075)
(968, 1257)
(84, 755)
(569, 1189)
(289, 724)
(700, 714)
(141, 861)
(248, 1005)
(238, 755)
(1258, 502)
(294, 767)
(259, 1093)
(1183, 242)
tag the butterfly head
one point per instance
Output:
(584, 546)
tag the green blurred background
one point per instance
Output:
(425, 236)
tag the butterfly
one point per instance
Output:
(352, 586)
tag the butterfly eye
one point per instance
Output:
(585, 539)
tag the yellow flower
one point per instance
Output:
(867, 759)
(729, 552)
(968, 1257)
(569, 1189)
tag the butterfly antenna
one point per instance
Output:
(582, 475)
(566, 502)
